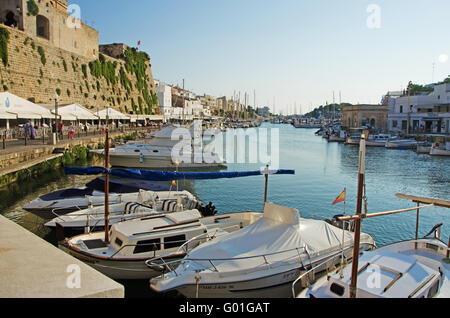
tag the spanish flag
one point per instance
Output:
(174, 184)
(340, 198)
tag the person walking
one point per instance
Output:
(71, 131)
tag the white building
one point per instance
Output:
(164, 92)
(426, 113)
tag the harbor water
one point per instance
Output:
(322, 171)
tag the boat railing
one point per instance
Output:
(159, 244)
(58, 216)
(338, 254)
(183, 249)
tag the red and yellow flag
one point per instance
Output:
(340, 198)
(174, 183)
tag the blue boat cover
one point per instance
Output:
(169, 176)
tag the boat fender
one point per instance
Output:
(141, 158)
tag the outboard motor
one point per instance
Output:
(209, 210)
(348, 226)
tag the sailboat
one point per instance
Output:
(415, 268)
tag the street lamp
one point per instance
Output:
(56, 115)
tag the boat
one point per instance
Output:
(437, 150)
(92, 194)
(164, 150)
(131, 243)
(418, 268)
(353, 140)
(401, 144)
(377, 140)
(424, 147)
(146, 203)
(259, 261)
(337, 137)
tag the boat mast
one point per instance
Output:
(361, 173)
(107, 183)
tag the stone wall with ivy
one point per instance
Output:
(33, 69)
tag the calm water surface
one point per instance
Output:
(323, 170)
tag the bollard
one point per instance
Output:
(4, 140)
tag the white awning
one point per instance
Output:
(22, 108)
(75, 112)
(112, 114)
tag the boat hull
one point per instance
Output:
(149, 162)
(439, 152)
(126, 269)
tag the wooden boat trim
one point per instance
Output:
(436, 202)
(422, 285)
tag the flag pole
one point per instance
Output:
(343, 237)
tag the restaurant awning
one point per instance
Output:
(76, 112)
(22, 108)
(112, 114)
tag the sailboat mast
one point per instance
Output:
(361, 174)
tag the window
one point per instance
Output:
(118, 242)
(42, 27)
(337, 289)
(433, 290)
(401, 109)
(147, 246)
(174, 241)
(394, 124)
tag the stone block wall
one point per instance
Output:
(36, 69)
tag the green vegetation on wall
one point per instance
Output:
(32, 7)
(4, 39)
(42, 54)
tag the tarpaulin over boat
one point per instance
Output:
(119, 186)
(279, 236)
(169, 176)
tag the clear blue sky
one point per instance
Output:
(295, 51)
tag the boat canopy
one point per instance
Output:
(279, 235)
(169, 176)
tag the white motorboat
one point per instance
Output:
(160, 151)
(337, 137)
(144, 204)
(135, 241)
(353, 140)
(377, 140)
(92, 194)
(424, 147)
(437, 150)
(261, 260)
(401, 144)
(409, 269)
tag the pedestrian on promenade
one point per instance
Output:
(71, 131)
(28, 129)
(53, 127)
(60, 129)
(32, 132)
(103, 128)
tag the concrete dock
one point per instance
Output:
(33, 268)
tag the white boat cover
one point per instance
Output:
(21, 108)
(277, 236)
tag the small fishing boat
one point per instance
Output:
(424, 147)
(259, 261)
(146, 203)
(130, 243)
(353, 140)
(418, 268)
(401, 144)
(437, 150)
(337, 137)
(92, 194)
(377, 140)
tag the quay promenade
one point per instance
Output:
(17, 155)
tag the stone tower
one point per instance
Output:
(48, 20)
